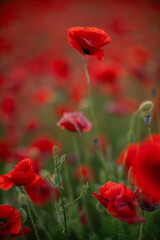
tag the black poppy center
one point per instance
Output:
(3, 221)
(86, 51)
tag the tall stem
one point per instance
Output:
(36, 214)
(94, 119)
(121, 234)
(68, 184)
(30, 216)
(91, 99)
(141, 229)
(63, 207)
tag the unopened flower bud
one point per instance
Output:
(44, 174)
(146, 106)
(23, 214)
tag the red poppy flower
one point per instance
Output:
(120, 201)
(155, 139)
(121, 106)
(8, 105)
(88, 40)
(41, 192)
(24, 231)
(127, 156)
(75, 122)
(22, 174)
(44, 143)
(4, 150)
(146, 169)
(85, 173)
(32, 124)
(59, 67)
(106, 73)
(10, 220)
(145, 202)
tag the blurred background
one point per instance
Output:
(41, 76)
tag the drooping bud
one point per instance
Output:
(44, 174)
(146, 106)
(23, 214)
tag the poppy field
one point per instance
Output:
(79, 120)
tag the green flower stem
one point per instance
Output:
(30, 214)
(63, 207)
(91, 99)
(141, 228)
(149, 132)
(130, 132)
(121, 234)
(76, 148)
(78, 198)
(131, 128)
(94, 119)
(138, 128)
(77, 151)
(68, 184)
(35, 213)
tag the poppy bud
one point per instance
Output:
(23, 214)
(146, 107)
(44, 174)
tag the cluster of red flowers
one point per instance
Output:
(120, 201)
(38, 86)
(143, 159)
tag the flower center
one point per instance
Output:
(86, 51)
(3, 221)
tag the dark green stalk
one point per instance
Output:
(120, 231)
(63, 207)
(30, 216)
(36, 214)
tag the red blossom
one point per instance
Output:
(75, 122)
(146, 203)
(23, 232)
(128, 155)
(88, 40)
(22, 174)
(121, 106)
(41, 192)
(146, 169)
(44, 143)
(8, 104)
(4, 150)
(85, 173)
(10, 220)
(120, 201)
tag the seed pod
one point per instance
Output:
(146, 107)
